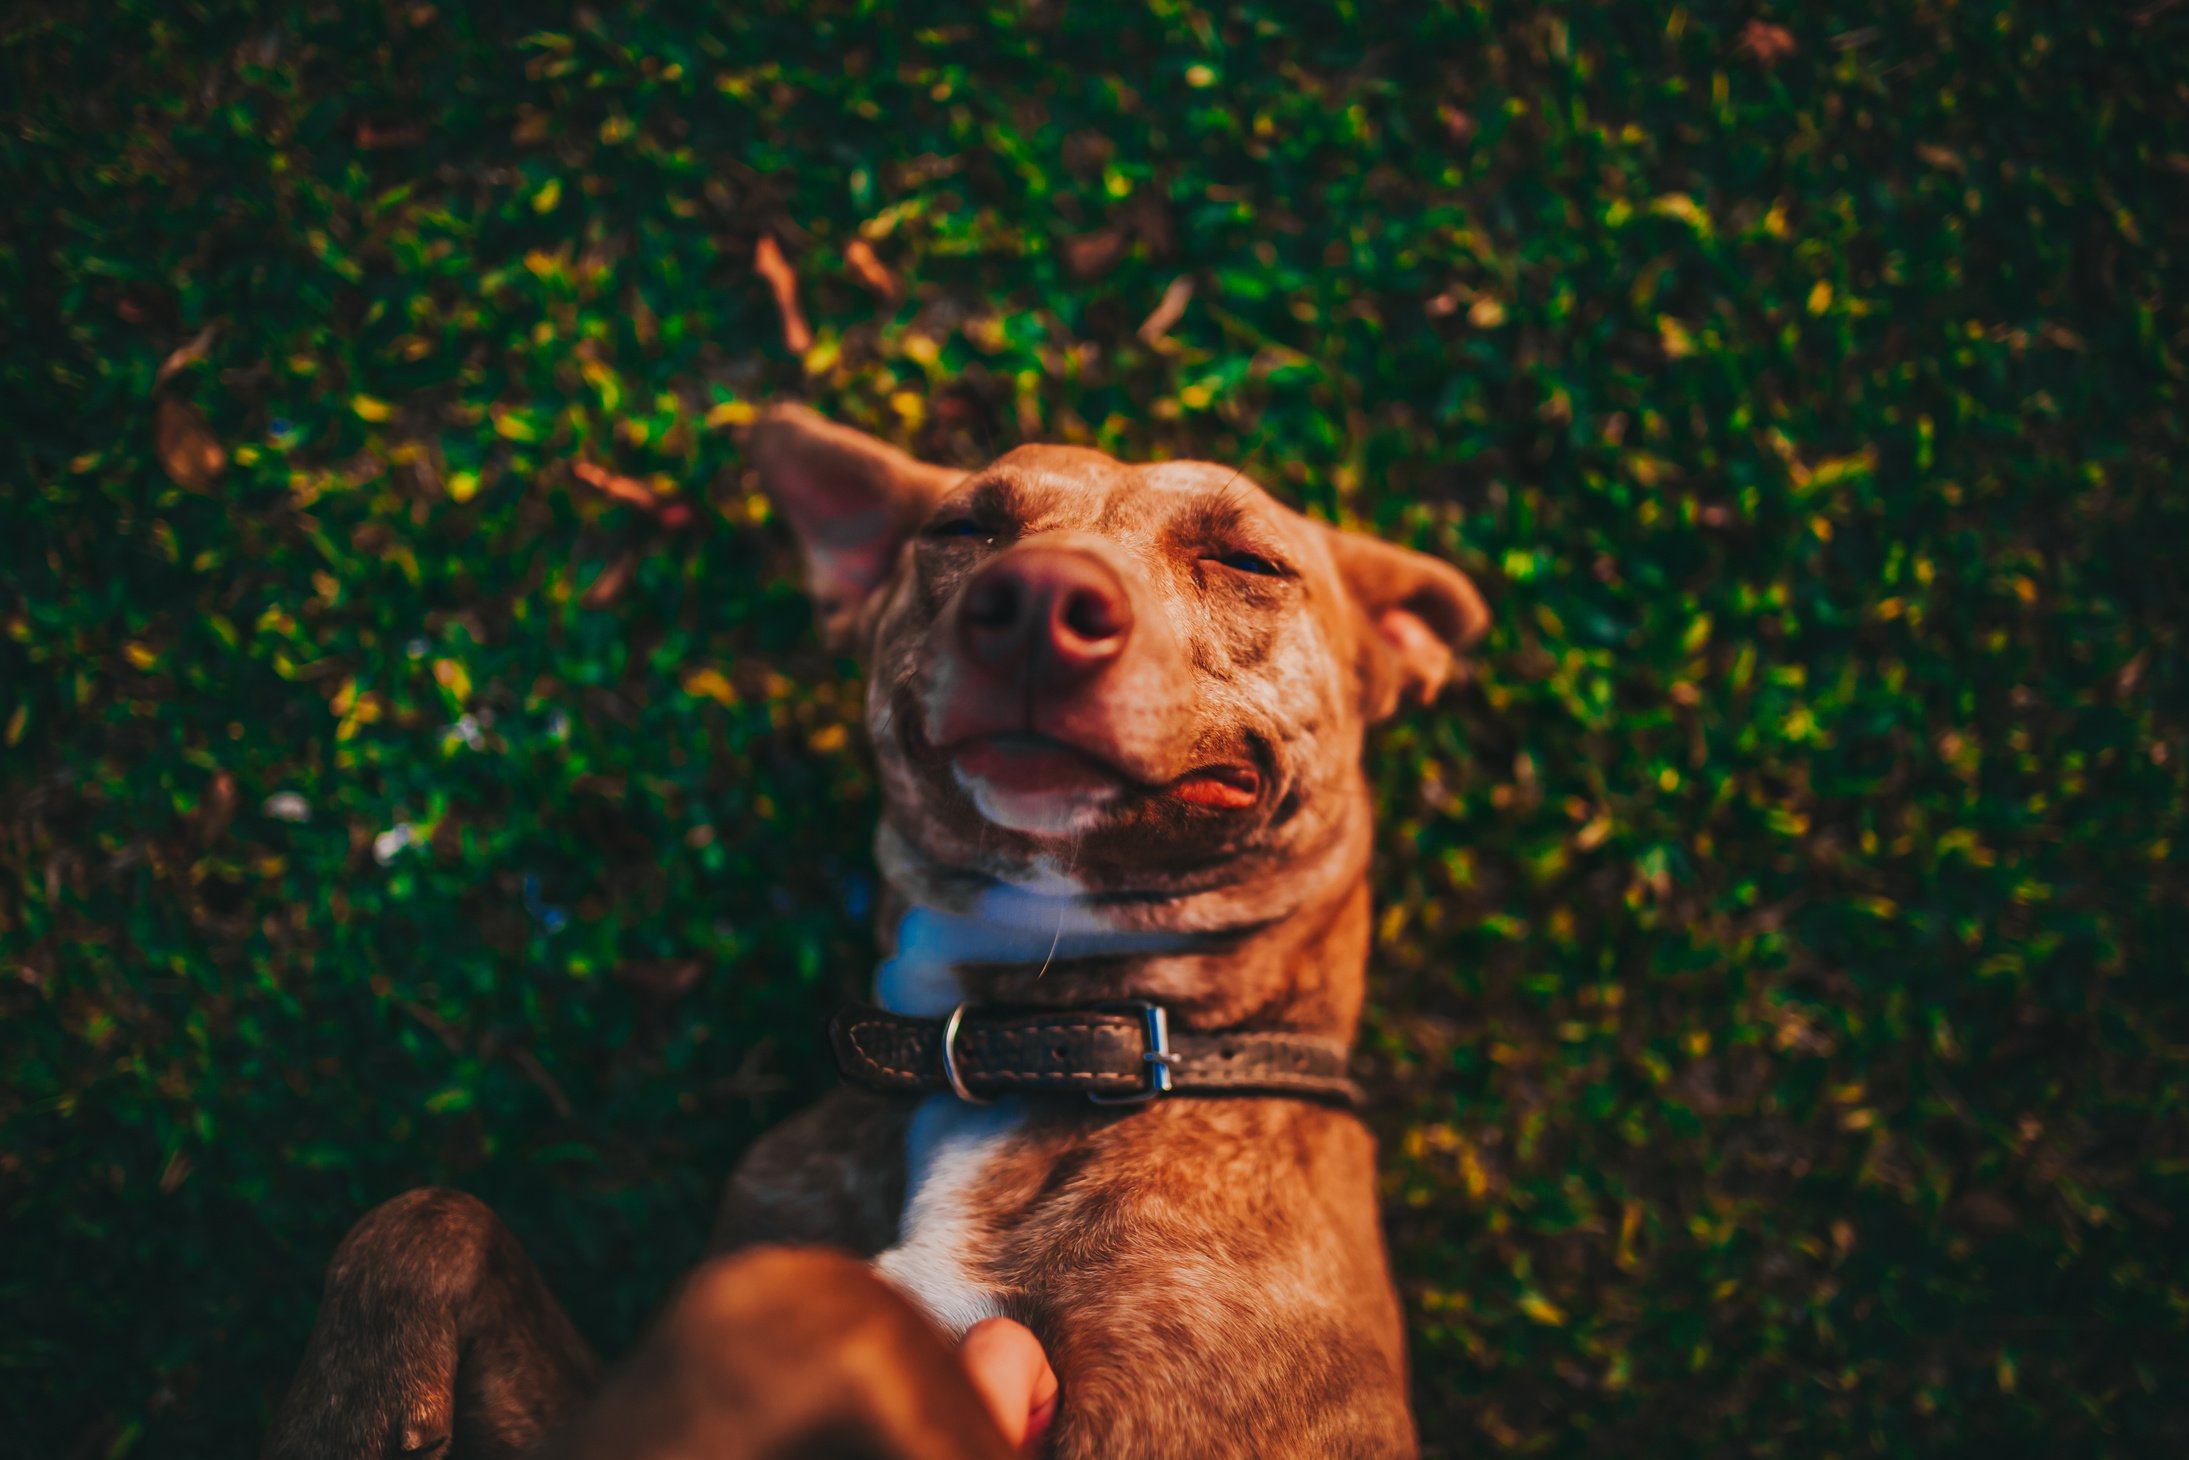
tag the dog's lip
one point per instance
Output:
(1029, 760)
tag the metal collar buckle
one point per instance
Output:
(1159, 1058)
(950, 1059)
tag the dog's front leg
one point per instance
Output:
(435, 1329)
(834, 1174)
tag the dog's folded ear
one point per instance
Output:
(1419, 614)
(852, 501)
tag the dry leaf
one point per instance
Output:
(139, 305)
(666, 979)
(185, 355)
(612, 582)
(186, 447)
(868, 268)
(670, 512)
(1168, 311)
(1086, 153)
(1945, 159)
(1149, 218)
(768, 262)
(372, 137)
(1765, 43)
(628, 490)
(218, 808)
(545, 1083)
(1091, 255)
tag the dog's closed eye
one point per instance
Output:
(1241, 561)
(957, 527)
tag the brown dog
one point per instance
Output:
(1119, 713)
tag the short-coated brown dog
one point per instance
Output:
(1118, 712)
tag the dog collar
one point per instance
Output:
(1112, 1054)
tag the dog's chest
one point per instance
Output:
(952, 1149)
(949, 1151)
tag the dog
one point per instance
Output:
(1118, 712)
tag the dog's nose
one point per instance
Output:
(1054, 614)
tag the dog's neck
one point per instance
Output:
(1283, 947)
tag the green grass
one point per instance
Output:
(1780, 1025)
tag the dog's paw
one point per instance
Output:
(360, 1397)
(379, 1375)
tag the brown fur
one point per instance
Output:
(1197, 665)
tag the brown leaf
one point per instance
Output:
(1091, 255)
(1086, 153)
(1149, 217)
(187, 450)
(628, 490)
(867, 267)
(185, 355)
(666, 979)
(142, 304)
(1764, 43)
(218, 808)
(768, 262)
(1945, 159)
(532, 125)
(1168, 310)
(1146, 217)
(671, 512)
(372, 137)
(545, 1083)
(613, 581)
(1987, 1210)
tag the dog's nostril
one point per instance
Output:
(1093, 615)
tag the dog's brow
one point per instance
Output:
(1213, 519)
(994, 497)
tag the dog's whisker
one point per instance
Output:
(1071, 862)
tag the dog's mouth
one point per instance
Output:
(1022, 767)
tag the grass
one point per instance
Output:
(1779, 1024)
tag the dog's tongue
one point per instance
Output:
(1031, 764)
(1228, 788)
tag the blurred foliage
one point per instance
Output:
(418, 766)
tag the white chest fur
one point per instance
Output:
(950, 1144)
(947, 1148)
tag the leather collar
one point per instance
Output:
(1111, 1054)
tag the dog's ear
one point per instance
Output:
(852, 501)
(1419, 613)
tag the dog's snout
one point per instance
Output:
(1055, 615)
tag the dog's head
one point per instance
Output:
(1151, 678)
